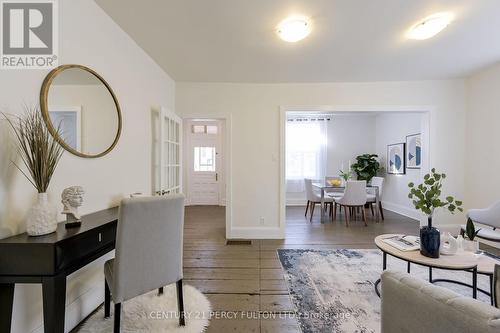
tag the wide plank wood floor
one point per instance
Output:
(247, 279)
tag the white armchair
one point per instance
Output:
(487, 216)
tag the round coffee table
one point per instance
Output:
(464, 261)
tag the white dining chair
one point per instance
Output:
(371, 196)
(354, 197)
(314, 198)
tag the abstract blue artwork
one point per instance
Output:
(414, 151)
(396, 159)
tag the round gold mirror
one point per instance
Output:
(81, 111)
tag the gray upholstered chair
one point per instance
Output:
(148, 251)
(487, 216)
(413, 305)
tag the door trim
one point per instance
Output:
(227, 163)
(427, 111)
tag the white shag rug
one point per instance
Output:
(155, 313)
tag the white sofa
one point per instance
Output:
(412, 305)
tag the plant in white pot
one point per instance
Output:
(470, 231)
(40, 153)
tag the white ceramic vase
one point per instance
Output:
(471, 246)
(449, 245)
(41, 218)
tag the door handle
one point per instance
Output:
(216, 176)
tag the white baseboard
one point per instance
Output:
(403, 210)
(296, 202)
(256, 233)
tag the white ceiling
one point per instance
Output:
(352, 40)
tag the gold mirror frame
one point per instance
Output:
(44, 93)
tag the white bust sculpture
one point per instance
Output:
(72, 198)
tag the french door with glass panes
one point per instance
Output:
(167, 155)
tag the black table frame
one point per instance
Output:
(51, 272)
(472, 270)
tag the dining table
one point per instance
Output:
(326, 187)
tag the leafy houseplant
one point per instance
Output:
(366, 166)
(40, 153)
(345, 175)
(426, 197)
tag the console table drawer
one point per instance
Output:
(84, 245)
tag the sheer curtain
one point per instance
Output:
(305, 152)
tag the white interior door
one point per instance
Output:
(205, 162)
(167, 152)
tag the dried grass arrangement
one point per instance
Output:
(38, 150)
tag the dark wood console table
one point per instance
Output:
(49, 260)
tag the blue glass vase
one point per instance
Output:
(429, 240)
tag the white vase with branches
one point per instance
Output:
(40, 154)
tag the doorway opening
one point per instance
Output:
(320, 143)
(204, 161)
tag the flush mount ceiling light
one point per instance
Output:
(430, 26)
(294, 29)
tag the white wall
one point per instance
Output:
(254, 110)
(348, 135)
(393, 128)
(483, 137)
(89, 37)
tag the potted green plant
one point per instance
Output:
(470, 231)
(345, 175)
(426, 197)
(40, 153)
(366, 166)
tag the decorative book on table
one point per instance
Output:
(404, 242)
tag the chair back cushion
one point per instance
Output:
(354, 194)
(412, 305)
(148, 245)
(488, 216)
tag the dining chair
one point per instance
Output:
(354, 197)
(314, 198)
(333, 193)
(371, 196)
(149, 242)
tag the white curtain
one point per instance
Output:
(305, 152)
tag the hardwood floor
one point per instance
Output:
(247, 280)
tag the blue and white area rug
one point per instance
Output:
(333, 291)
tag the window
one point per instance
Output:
(204, 129)
(305, 152)
(197, 129)
(204, 159)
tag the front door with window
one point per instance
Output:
(204, 160)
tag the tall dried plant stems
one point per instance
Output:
(39, 151)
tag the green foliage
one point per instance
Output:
(366, 166)
(345, 175)
(470, 230)
(426, 196)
